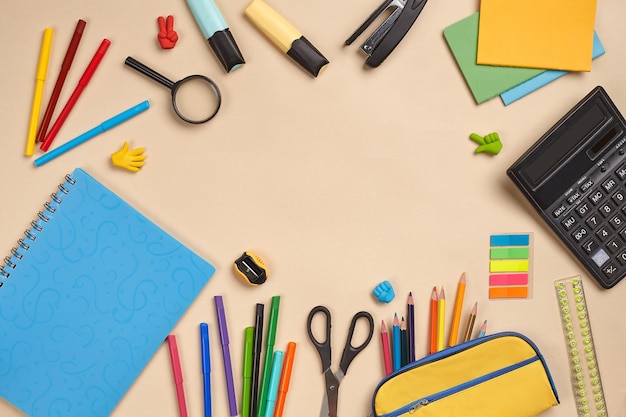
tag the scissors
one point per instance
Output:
(333, 379)
(176, 87)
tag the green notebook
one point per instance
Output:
(484, 81)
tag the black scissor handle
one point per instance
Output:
(350, 351)
(323, 348)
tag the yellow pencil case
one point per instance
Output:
(500, 375)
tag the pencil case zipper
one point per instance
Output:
(424, 401)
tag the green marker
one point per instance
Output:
(269, 352)
(248, 344)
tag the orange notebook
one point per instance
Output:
(549, 34)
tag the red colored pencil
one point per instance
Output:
(58, 86)
(384, 340)
(82, 83)
(433, 321)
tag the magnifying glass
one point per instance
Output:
(196, 99)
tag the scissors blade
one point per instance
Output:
(331, 396)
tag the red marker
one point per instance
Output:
(58, 86)
(82, 83)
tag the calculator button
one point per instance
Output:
(559, 211)
(622, 257)
(569, 222)
(610, 270)
(575, 196)
(600, 257)
(596, 196)
(593, 221)
(621, 172)
(609, 184)
(580, 234)
(583, 209)
(606, 209)
(617, 221)
(614, 245)
(619, 197)
(590, 246)
(588, 184)
(603, 234)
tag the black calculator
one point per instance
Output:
(575, 177)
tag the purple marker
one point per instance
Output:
(228, 368)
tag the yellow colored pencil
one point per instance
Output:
(458, 308)
(441, 317)
(42, 70)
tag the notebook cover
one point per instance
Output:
(484, 81)
(89, 303)
(544, 78)
(549, 34)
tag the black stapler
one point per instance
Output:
(389, 34)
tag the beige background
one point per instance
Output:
(339, 182)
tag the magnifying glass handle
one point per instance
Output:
(145, 70)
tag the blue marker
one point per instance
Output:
(103, 127)
(216, 31)
(272, 391)
(206, 367)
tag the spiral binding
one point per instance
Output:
(37, 227)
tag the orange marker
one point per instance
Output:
(433, 321)
(285, 378)
(458, 307)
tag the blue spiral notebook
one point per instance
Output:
(86, 299)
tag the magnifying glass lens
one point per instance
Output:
(196, 99)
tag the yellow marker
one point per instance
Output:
(286, 36)
(42, 69)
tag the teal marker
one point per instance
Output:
(269, 350)
(272, 391)
(217, 33)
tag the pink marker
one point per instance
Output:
(178, 375)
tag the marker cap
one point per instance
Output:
(226, 50)
(304, 53)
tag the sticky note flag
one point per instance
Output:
(548, 34)
(509, 265)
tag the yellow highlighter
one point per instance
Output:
(286, 37)
(42, 69)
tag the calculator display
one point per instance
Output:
(575, 177)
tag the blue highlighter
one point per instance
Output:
(216, 31)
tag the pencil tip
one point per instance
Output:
(463, 279)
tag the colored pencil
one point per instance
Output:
(384, 340)
(433, 321)
(470, 323)
(411, 327)
(396, 343)
(404, 343)
(483, 329)
(40, 78)
(458, 309)
(441, 319)
(58, 85)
